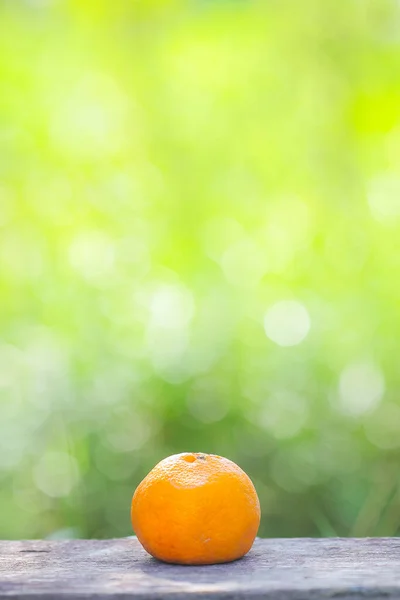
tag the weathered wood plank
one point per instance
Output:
(290, 569)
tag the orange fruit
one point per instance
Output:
(196, 509)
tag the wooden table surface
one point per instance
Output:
(279, 569)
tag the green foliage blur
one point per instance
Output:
(199, 251)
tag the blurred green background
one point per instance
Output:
(199, 251)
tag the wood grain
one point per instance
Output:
(281, 569)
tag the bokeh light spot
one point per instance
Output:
(91, 253)
(171, 306)
(56, 474)
(208, 401)
(361, 388)
(284, 414)
(243, 263)
(90, 122)
(287, 323)
(384, 198)
(135, 431)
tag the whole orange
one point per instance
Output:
(196, 509)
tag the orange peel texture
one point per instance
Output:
(196, 509)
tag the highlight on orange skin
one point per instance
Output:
(196, 508)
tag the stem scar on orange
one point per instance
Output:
(196, 509)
